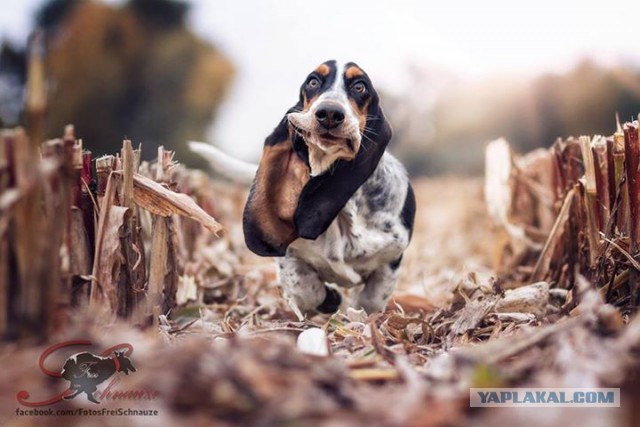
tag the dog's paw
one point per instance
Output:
(331, 302)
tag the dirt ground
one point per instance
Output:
(230, 353)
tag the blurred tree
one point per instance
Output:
(53, 12)
(13, 66)
(134, 71)
(12, 60)
(529, 113)
(160, 13)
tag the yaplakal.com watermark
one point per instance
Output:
(544, 397)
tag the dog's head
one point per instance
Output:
(320, 153)
(335, 105)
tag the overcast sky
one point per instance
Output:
(275, 43)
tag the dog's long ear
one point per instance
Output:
(282, 173)
(324, 196)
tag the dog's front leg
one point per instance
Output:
(303, 290)
(379, 287)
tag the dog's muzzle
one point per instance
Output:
(330, 115)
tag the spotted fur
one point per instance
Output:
(362, 246)
(327, 200)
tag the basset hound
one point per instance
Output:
(327, 199)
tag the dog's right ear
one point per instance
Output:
(282, 173)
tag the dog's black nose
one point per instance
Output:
(330, 116)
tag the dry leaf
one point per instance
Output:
(374, 374)
(526, 299)
(410, 303)
(472, 314)
(159, 200)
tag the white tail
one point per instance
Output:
(235, 169)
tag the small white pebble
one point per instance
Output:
(313, 341)
(357, 315)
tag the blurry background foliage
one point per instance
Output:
(137, 70)
(451, 135)
(133, 70)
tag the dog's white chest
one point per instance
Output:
(336, 254)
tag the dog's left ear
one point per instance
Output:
(324, 196)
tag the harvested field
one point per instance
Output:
(128, 292)
(214, 343)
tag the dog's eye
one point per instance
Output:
(359, 87)
(313, 83)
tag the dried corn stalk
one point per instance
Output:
(591, 191)
(94, 250)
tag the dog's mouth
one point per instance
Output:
(339, 143)
(327, 141)
(329, 136)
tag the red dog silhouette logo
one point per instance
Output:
(85, 371)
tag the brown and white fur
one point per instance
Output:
(327, 200)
